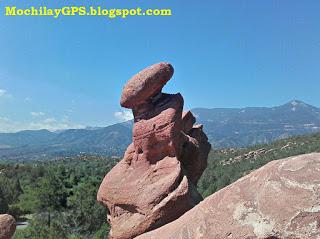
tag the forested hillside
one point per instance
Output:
(227, 165)
(58, 198)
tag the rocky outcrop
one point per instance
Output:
(7, 226)
(155, 182)
(279, 200)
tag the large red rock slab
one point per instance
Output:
(279, 200)
(7, 226)
(146, 84)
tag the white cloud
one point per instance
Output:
(50, 120)
(123, 115)
(4, 94)
(27, 99)
(6, 125)
(65, 118)
(4, 119)
(37, 114)
(52, 124)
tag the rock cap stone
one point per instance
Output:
(146, 84)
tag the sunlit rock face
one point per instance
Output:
(281, 200)
(155, 182)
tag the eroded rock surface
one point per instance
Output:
(155, 183)
(279, 200)
(146, 84)
(7, 226)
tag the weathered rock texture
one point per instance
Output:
(280, 200)
(7, 226)
(154, 183)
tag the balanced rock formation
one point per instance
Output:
(279, 200)
(7, 226)
(155, 182)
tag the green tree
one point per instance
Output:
(39, 229)
(86, 215)
(3, 203)
(11, 188)
(48, 197)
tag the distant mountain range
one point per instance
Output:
(225, 127)
(43, 144)
(257, 125)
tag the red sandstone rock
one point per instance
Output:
(7, 226)
(147, 188)
(188, 121)
(195, 153)
(146, 84)
(144, 197)
(279, 200)
(154, 184)
(157, 129)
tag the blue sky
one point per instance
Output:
(69, 72)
